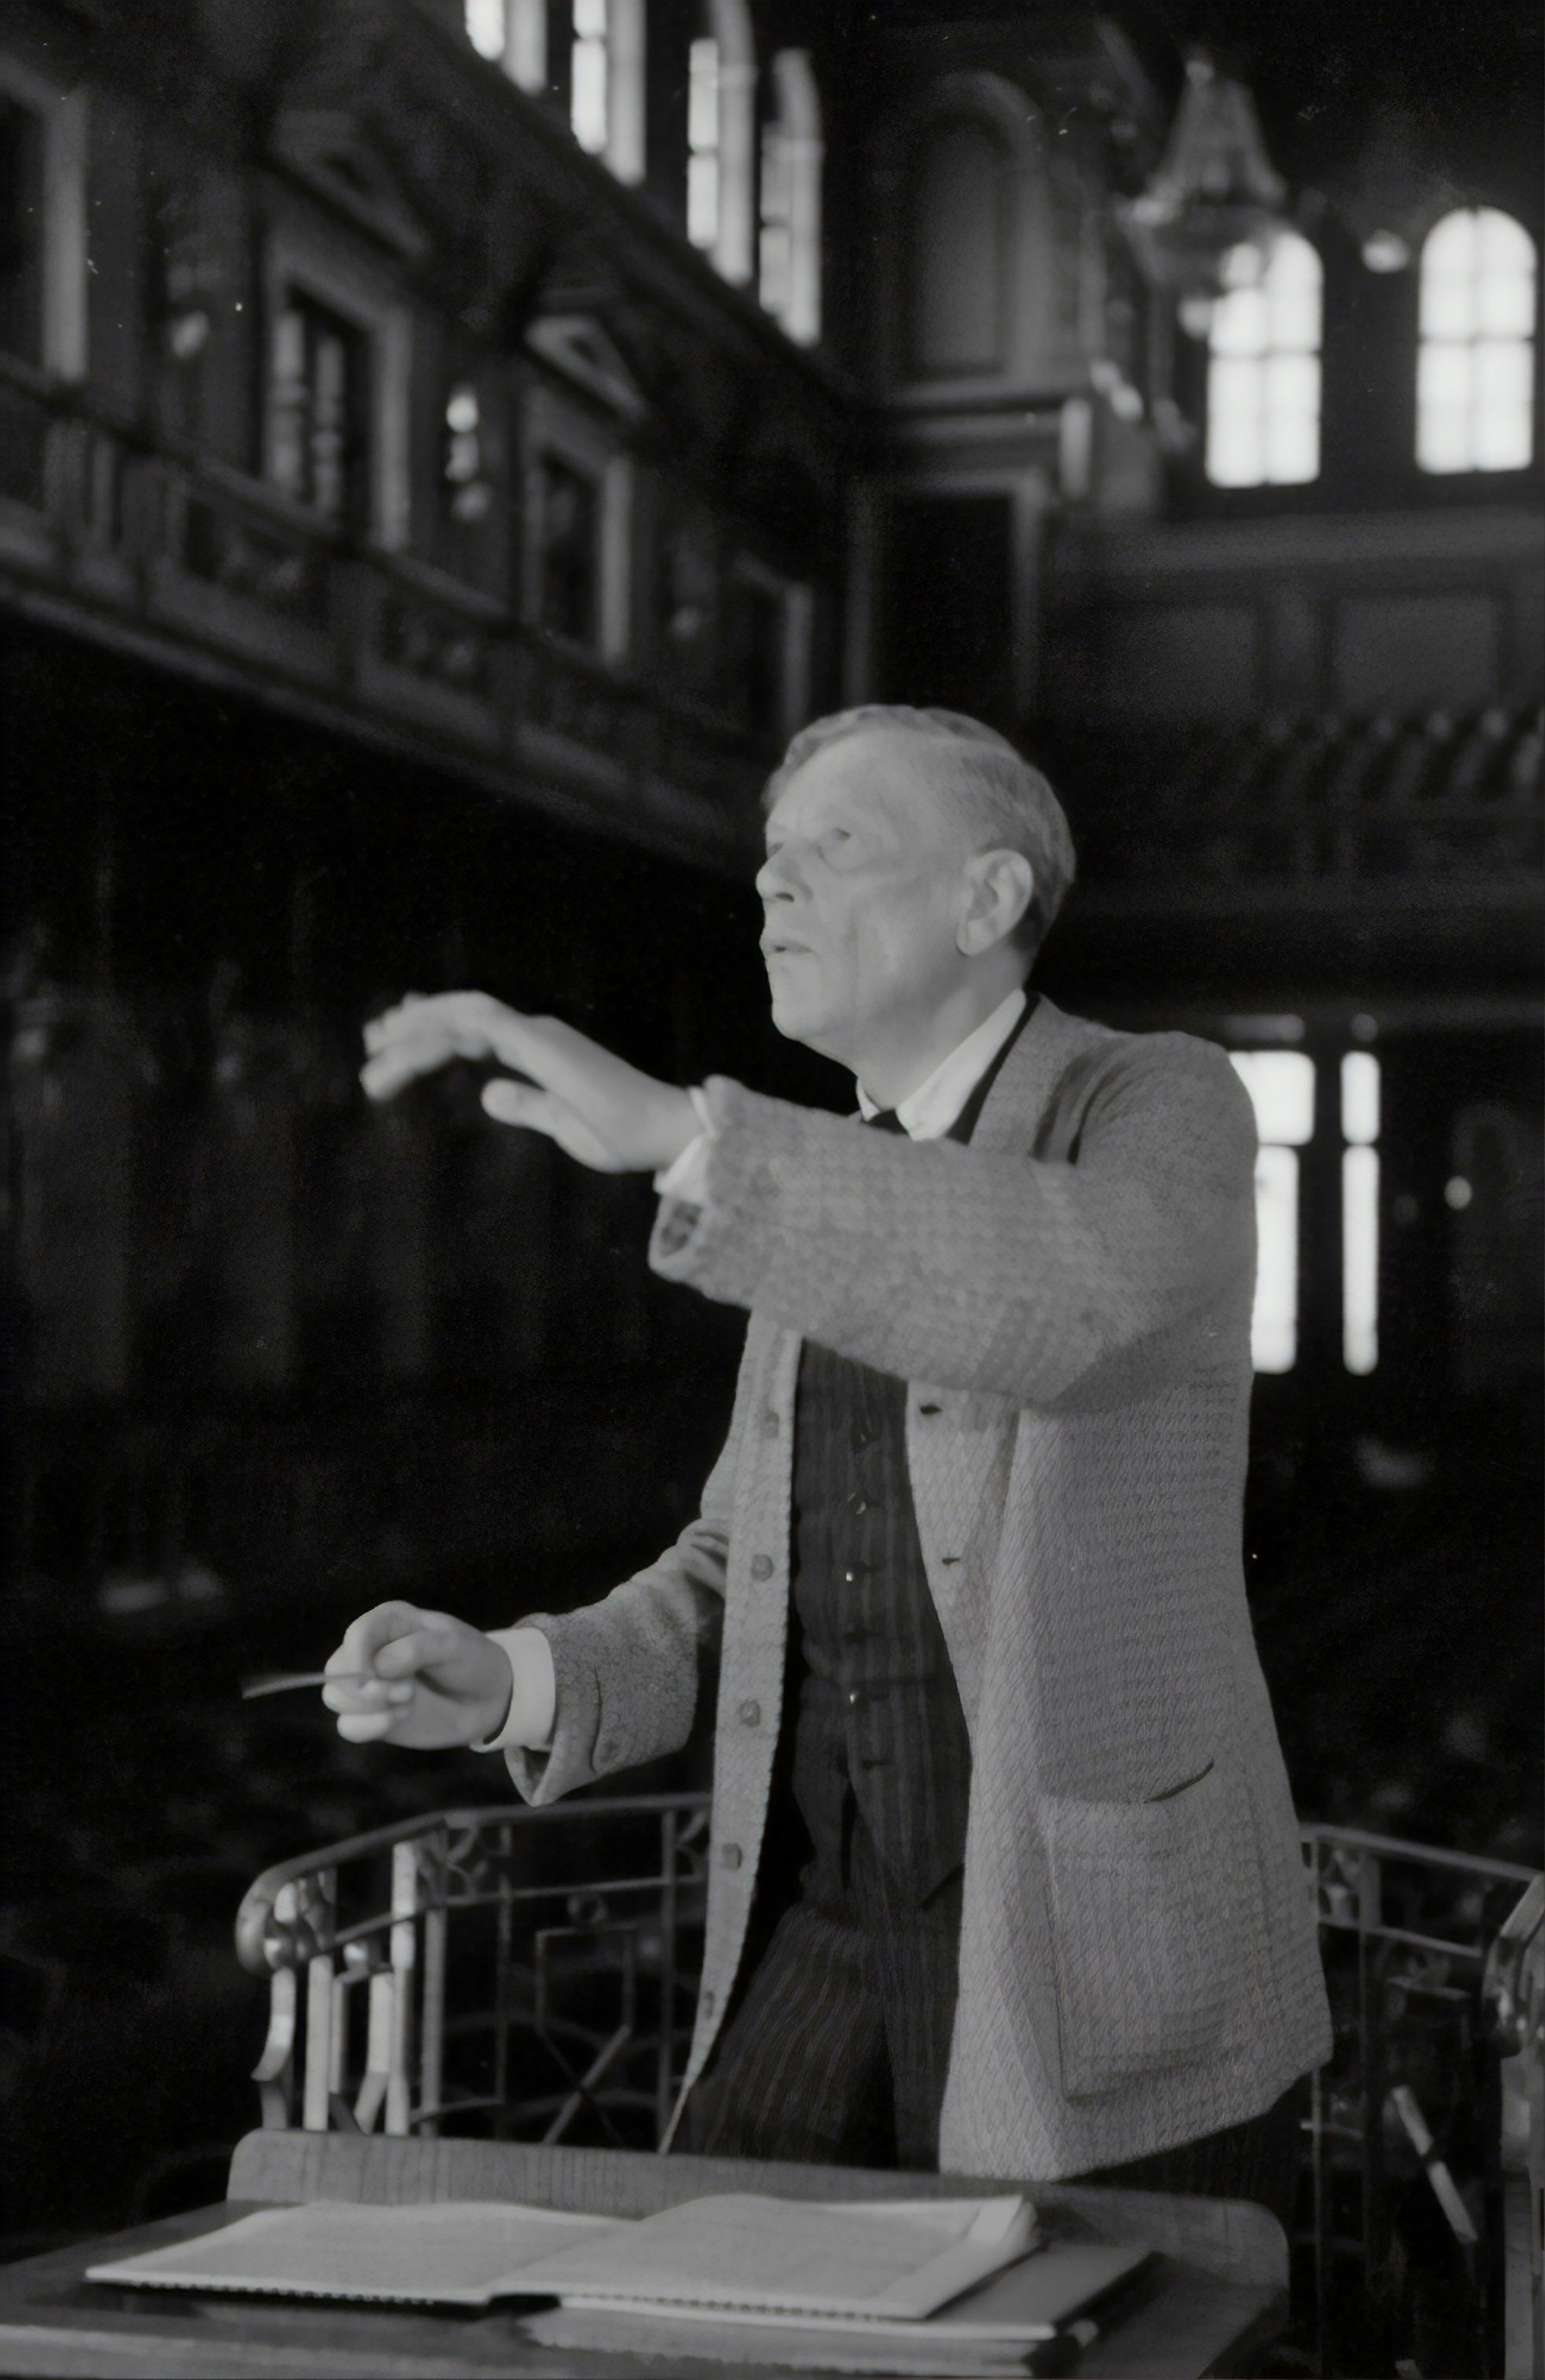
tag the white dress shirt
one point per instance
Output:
(926, 1113)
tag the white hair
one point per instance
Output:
(980, 776)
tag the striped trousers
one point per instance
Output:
(836, 2051)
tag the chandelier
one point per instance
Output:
(1214, 192)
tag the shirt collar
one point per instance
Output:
(928, 1113)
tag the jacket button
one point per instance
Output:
(761, 1565)
(730, 1854)
(750, 1714)
(606, 1754)
(855, 1698)
(770, 1425)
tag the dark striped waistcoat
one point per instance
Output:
(880, 1728)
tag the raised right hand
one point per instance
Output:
(403, 1675)
(598, 1108)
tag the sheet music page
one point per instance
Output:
(892, 2258)
(464, 2251)
(1027, 2302)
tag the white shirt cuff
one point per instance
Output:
(533, 1710)
(687, 1176)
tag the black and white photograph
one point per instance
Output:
(773, 841)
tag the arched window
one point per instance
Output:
(1475, 371)
(792, 154)
(721, 139)
(957, 245)
(1263, 369)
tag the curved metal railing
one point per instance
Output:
(529, 1971)
(564, 1996)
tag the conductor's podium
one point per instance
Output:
(497, 2003)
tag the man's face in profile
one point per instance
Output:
(860, 888)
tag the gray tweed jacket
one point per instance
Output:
(1069, 1301)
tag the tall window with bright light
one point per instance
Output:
(721, 139)
(1359, 1210)
(605, 68)
(1263, 367)
(1475, 369)
(792, 156)
(587, 111)
(1281, 1084)
(702, 142)
(513, 34)
(485, 27)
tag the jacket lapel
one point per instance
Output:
(1019, 1105)
(959, 1445)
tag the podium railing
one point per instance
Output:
(1430, 2106)
(531, 1973)
(455, 1968)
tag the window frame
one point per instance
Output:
(796, 600)
(1263, 360)
(334, 281)
(731, 247)
(63, 329)
(554, 428)
(794, 146)
(623, 44)
(522, 52)
(1431, 473)
(1280, 1136)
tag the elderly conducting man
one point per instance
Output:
(1005, 1873)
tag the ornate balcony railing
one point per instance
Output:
(215, 570)
(1312, 807)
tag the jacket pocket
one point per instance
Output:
(1151, 1924)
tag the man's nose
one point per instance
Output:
(778, 878)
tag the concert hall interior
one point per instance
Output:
(446, 452)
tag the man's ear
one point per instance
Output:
(1000, 888)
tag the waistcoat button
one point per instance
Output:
(750, 1714)
(770, 1425)
(730, 1854)
(761, 1565)
(705, 2002)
